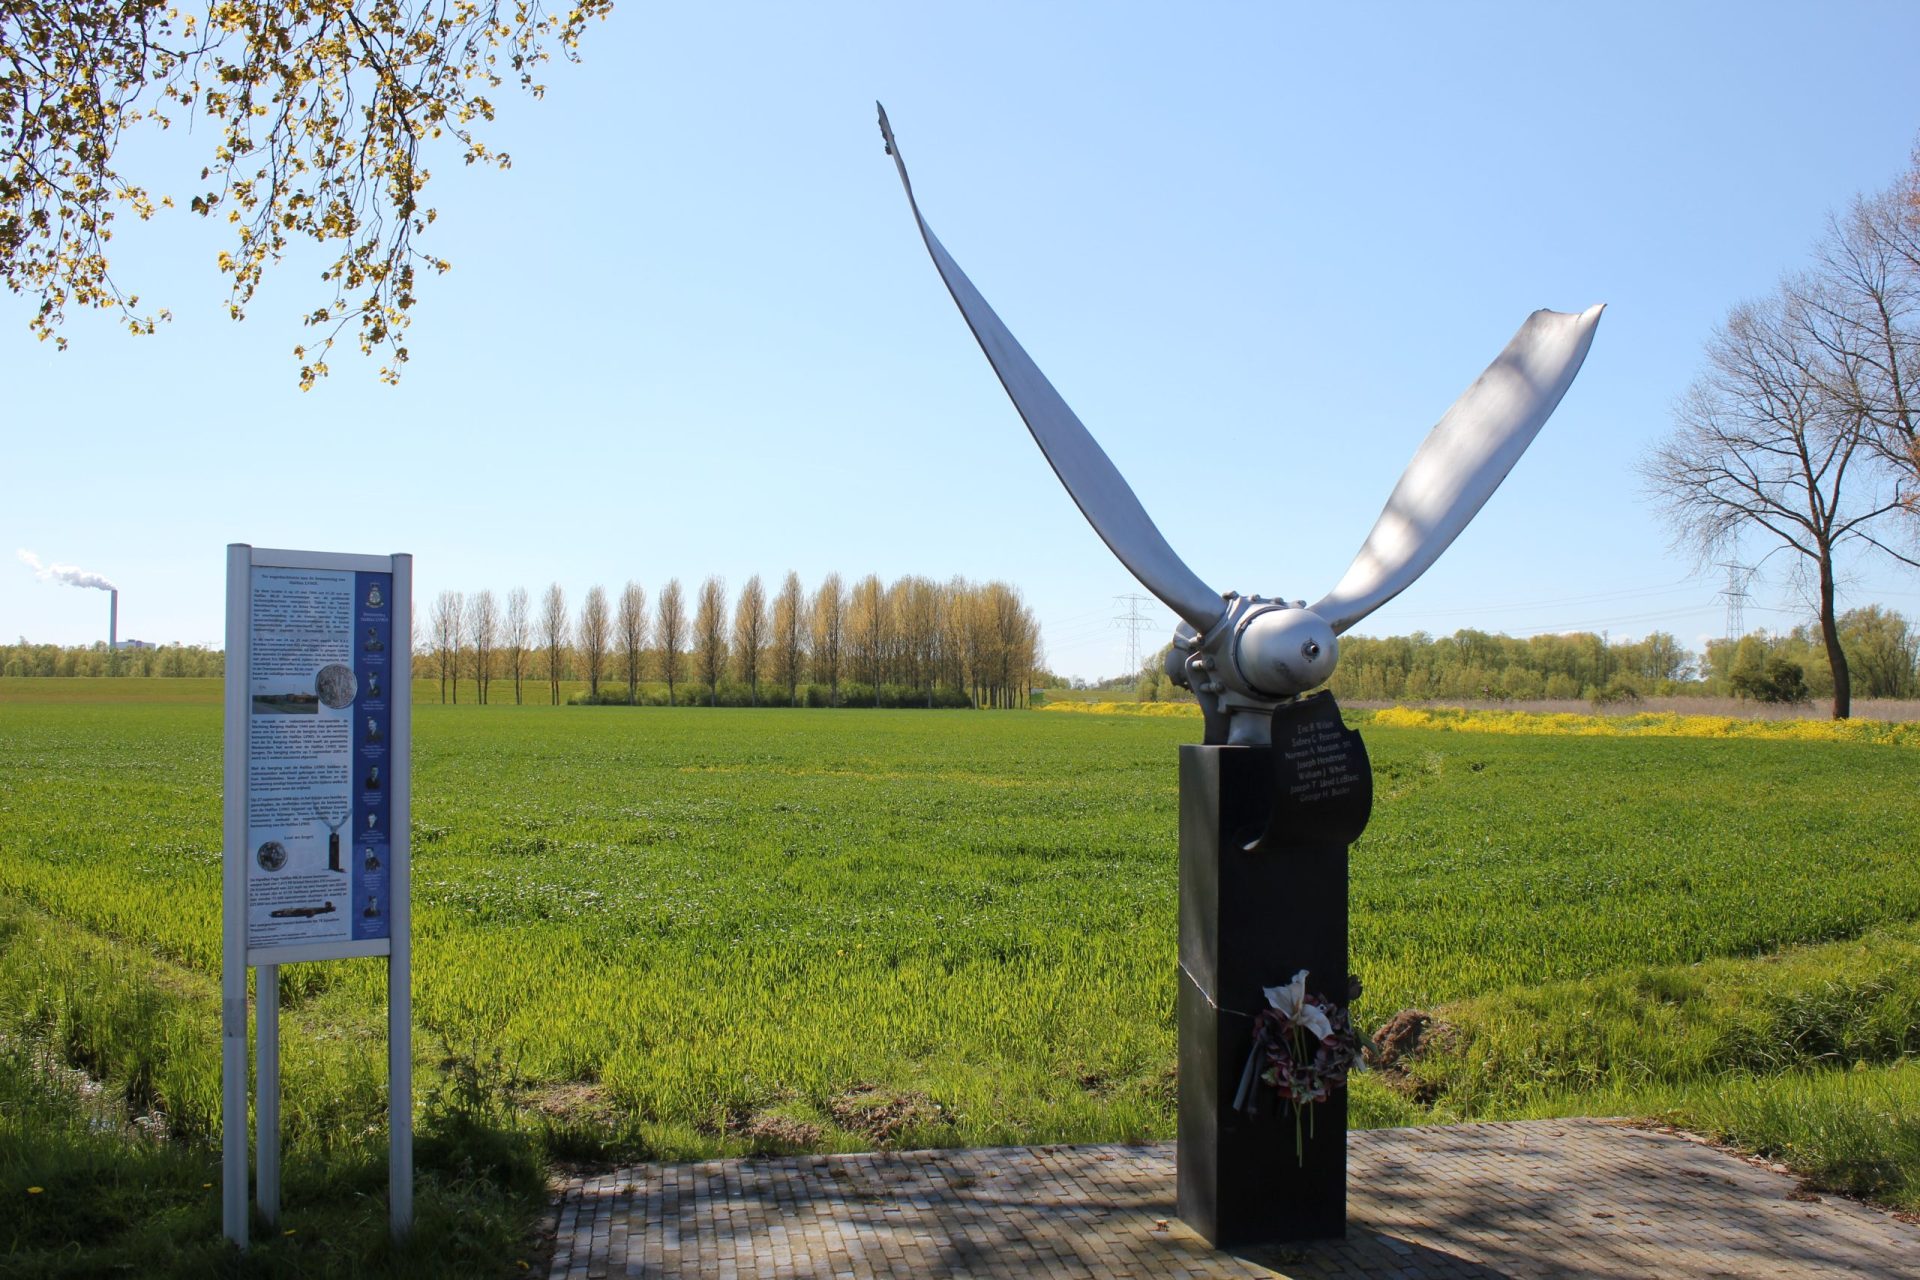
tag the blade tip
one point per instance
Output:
(1588, 317)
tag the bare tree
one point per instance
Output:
(593, 633)
(710, 636)
(554, 635)
(869, 631)
(483, 630)
(1019, 645)
(670, 632)
(518, 633)
(979, 644)
(630, 634)
(1762, 443)
(750, 634)
(442, 624)
(897, 650)
(829, 625)
(918, 622)
(956, 655)
(789, 637)
(1862, 302)
(449, 612)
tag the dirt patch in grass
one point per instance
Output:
(573, 1102)
(881, 1115)
(781, 1134)
(1407, 1036)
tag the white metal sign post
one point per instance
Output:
(317, 814)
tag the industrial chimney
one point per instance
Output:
(74, 576)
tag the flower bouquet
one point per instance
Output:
(1303, 1047)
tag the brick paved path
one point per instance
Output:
(1541, 1198)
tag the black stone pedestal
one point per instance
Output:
(1249, 920)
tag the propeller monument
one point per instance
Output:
(1279, 787)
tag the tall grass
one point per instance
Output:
(1852, 1131)
(1845, 1004)
(109, 1121)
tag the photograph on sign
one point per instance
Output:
(317, 814)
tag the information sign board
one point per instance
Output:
(317, 811)
(320, 682)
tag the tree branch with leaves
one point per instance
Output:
(324, 112)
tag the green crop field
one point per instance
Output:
(679, 932)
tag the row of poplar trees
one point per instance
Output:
(915, 643)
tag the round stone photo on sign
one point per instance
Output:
(336, 685)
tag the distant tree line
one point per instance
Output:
(1882, 648)
(871, 647)
(914, 643)
(1480, 664)
(1882, 653)
(28, 659)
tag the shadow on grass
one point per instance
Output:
(84, 1194)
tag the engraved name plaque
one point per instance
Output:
(1323, 782)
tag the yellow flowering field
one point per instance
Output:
(1653, 724)
(1175, 709)
(1650, 724)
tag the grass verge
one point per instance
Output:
(1855, 1131)
(109, 1120)
(1809, 1056)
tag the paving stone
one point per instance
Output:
(1576, 1198)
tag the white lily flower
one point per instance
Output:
(1290, 999)
(1290, 1002)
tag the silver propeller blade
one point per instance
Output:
(1462, 461)
(1083, 467)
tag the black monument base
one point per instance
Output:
(1249, 920)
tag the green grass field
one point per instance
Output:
(680, 932)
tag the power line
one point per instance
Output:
(1736, 594)
(1611, 620)
(1636, 593)
(1134, 621)
(1077, 617)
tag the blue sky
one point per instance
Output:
(1260, 249)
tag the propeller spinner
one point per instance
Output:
(1241, 656)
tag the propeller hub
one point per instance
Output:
(1284, 650)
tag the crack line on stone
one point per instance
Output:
(1204, 995)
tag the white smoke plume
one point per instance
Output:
(71, 575)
